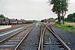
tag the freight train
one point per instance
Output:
(6, 21)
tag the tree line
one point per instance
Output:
(70, 18)
(2, 16)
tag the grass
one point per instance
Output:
(66, 27)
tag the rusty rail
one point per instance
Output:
(40, 47)
(66, 47)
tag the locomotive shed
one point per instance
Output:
(33, 36)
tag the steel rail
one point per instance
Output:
(14, 34)
(23, 39)
(66, 47)
(40, 47)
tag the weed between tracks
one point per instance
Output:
(66, 27)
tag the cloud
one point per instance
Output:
(26, 9)
(72, 1)
(29, 9)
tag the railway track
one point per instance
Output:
(31, 42)
(13, 42)
(31, 39)
(5, 34)
(60, 41)
(49, 40)
(41, 44)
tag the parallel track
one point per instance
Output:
(13, 42)
(24, 28)
(41, 44)
(18, 45)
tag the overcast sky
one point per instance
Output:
(30, 9)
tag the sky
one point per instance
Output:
(30, 9)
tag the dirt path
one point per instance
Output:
(73, 24)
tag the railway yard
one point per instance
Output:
(37, 25)
(33, 36)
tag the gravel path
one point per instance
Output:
(70, 39)
(9, 29)
(4, 26)
(73, 24)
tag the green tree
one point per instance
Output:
(2, 16)
(60, 8)
(64, 6)
(71, 17)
